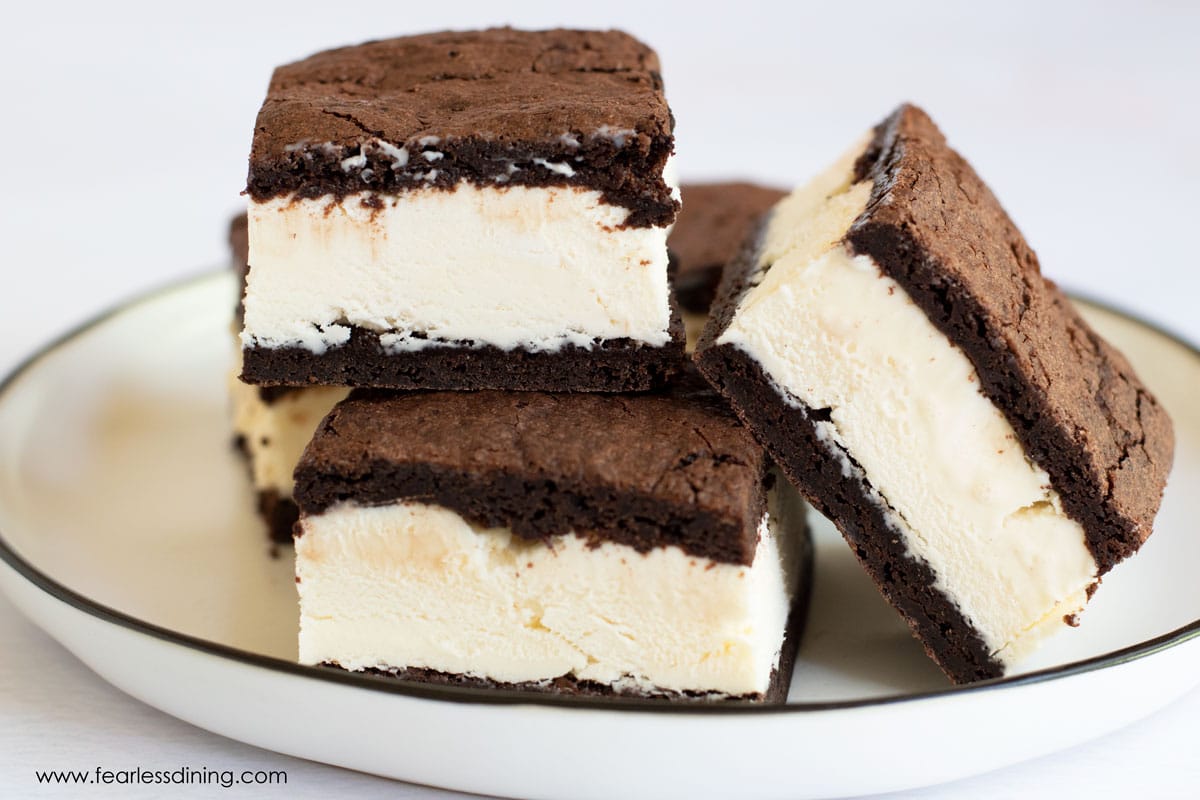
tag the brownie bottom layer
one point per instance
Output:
(777, 689)
(279, 513)
(615, 365)
(790, 436)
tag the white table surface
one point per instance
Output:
(125, 130)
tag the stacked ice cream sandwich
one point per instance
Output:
(526, 487)
(464, 388)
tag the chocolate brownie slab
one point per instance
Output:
(633, 545)
(466, 210)
(888, 335)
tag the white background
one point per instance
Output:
(124, 136)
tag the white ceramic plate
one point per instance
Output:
(126, 532)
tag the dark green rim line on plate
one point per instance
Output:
(460, 694)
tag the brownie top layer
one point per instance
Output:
(673, 468)
(495, 107)
(1076, 405)
(714, 221)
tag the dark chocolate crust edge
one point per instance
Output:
(630, 177)
(790, 436)
(534, 507)
(279, 513)
(615, 365)
(777, 689)
(735, 282)
(1113, 496)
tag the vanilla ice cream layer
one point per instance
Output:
(511, 266)
(833, 332)
(276, 433)
(417, 586)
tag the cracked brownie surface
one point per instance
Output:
(1075, 403)
(942, 535)
(491, 107)
(674, 468)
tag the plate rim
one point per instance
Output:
(492, 697)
